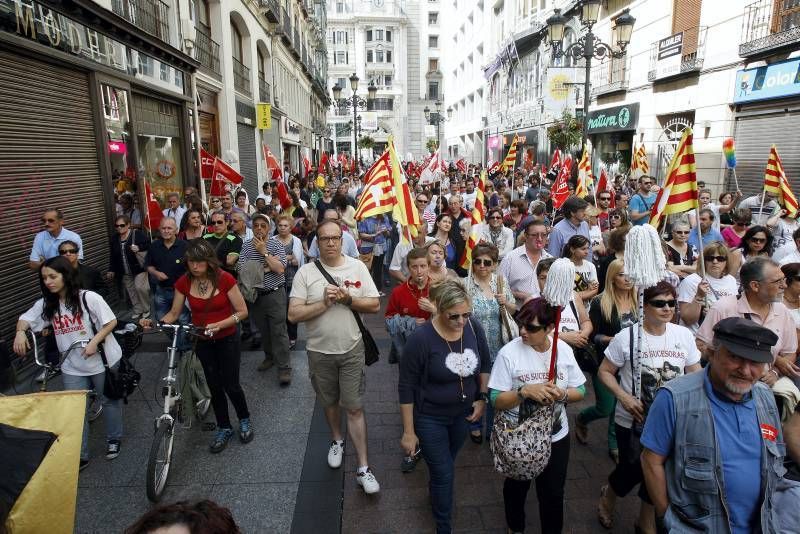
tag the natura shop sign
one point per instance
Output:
(613, 119)
(770, 81)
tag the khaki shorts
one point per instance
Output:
(339, 378)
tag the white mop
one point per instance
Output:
(558, 292)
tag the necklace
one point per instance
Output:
(461, 351)
(202, 287)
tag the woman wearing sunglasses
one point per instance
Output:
(124, 264)
(520, 373)
(89, 278)
(442, 389)
(757, 241)
(681, 256)
(696, 295)
(733, 234)
(495, 233)
(667, 351)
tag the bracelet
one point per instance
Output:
(565, 397)
(235, 318)
(349, 301)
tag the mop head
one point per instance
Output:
(560, 283)
(729, 149)
(644, 258)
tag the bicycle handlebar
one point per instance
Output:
(62, 355)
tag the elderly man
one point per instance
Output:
(174, 208)
(46, 242)
(334, 342)
(519, 265)
(573, 223)
(713, 447)
(763, 283)
(457, 212)
(164, 264)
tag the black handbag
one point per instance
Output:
(119, 382)
(586, 357)
(371, 352)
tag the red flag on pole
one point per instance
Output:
(323, 161)
(280, 187)
(206, 165)
(154, 213)
(604, 185)
(223, 171)
(306, 165)
(555, 163)
(560, 190)
(461, 165)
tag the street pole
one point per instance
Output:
(355, 132)
(588, 52)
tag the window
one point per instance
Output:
(433, 41)
(379, 35)
(389, 35)
(340, 58)
(340, 7)
(164, 72)
(342, 82)
(433, 18)
(433, 65)
(388, 56)
(236, 43)
(369, 56)
(383, 104)
(378, 56)
(340, 37)
(369, 35)
(433, 90)
(387, 80)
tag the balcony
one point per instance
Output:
(206, 51)
(263, 90)
(241, 77)
(610, 76)
(270, 9)
(296, 43)
(150, 15)
(770, 26)
(285, 27)
(684, 54)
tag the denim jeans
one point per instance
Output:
(112, 409)
(162, 300)
(440, 438)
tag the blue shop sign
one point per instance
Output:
(770, 81)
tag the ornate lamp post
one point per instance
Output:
(357, 102)
(437, 118)
(589, 46)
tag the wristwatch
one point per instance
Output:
(482, 395)
(520, 396)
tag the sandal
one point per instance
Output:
(604, 514)
(581, 431)
(476, 438)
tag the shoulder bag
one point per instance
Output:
(371, 352)
(118, 383)
(587, 358)
(522, 451)
(508, 327)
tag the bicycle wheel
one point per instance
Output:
(158, 463)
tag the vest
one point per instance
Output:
(694, 469)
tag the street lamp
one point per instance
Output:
(438, 118)
(357, 102)
(589, 46)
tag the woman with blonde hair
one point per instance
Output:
(696, 294)
(610, 311)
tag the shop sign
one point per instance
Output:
(668, 58)
(290, 130)
(770, 81)
(117, 147)
(528, 137)
(494, 141)
(369, 121)
(613, 119)
(263, 116)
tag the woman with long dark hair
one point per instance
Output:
(757, 241)
(73, 315)
(450, 238)
(218, 306)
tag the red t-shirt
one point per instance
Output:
(404, 300)
(210, 310)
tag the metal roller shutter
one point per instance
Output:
(48, 158)
(248, 165)
(755, 134)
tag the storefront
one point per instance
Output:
(290, 144)
(248, 152)
(767, 112)
(611, 132)
(88, 110)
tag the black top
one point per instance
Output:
(90, 279)
(428, 368)
(127, 263)
(167, 260)
(229, 244)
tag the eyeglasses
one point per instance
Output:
(533, 328)
(120, 225)
(46, 221)
(778, 281)
(496, 217)
(758, 240)
(742, 223)
(658, 303)
(485, 263)
(604, 198)
(329, 238)
(720, 259)
(68, 251)
(214, 200)
(218, 222)
(455, 316)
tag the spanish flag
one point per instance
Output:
(679, 193)
(477, 218)
(775, 181)
(511, 158)
(40, 445)
(377, 196)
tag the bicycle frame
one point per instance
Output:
(82, 343)
(170, 391)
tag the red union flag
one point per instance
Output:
(153, 208)
(224, 172)
(560, 190)
(275, 167)
(206, 165)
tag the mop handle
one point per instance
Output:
(551, 375)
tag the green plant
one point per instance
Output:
(366, 142)
(432, 145)
(566, 133)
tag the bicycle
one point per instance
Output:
(160, 457)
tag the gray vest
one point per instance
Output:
(694, 468)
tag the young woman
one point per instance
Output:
(443, 232)
(218, 306)
(611, 311)
(194, 228)
(294, 260)
(733, 233)
(577, 251)
(757, 241)
(520, 373)
(667, 351)
(488, 291)
(682, 256)
(88, 277)
(438, 270)
(726, 218)
(495, 233)
(62, 309)
(696, 295)
(517, 211)
(442, 388)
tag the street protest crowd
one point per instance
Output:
(694, 377)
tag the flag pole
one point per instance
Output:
(761, 209)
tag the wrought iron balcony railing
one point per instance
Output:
(150, 15)
(206, 51)
(770, 26)
(286, 27)
(610, 76)
(271, 9)
(691, 55)
(263, 90)
(241, 77)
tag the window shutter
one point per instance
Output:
(686, 19)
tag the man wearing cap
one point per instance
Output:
(712, 442)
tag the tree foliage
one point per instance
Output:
(565, 133)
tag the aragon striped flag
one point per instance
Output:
(584, 173)
(679, 193)
(511, 158)
(775, 181)
(477, 218)
(404, 210)
(641, 156)
(378, 194)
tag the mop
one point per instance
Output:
(558, 292)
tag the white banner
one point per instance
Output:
(369, 121)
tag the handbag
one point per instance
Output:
(508, 327)
(141, 255)
(522, 451)
(371, 352)
(587, 358)
(118, 383)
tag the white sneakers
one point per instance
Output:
(335, 455)
(368, 481)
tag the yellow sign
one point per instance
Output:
(263, 116)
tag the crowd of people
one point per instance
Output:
(711, 346)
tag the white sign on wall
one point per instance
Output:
(369, 121)
(668, 60)
(430, 131)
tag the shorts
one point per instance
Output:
(339, 378)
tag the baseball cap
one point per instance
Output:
(746, 339)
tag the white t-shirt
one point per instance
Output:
(720, 287)
(663, 358)
(68, 329)
(783, 232)
(585, 274)
(518, 364)
(569, 322)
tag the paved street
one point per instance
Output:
(274, 484)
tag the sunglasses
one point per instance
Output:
(68, 251)
(218, 222)
(455, 316)
(485, 263)
(604, 198)
(758, 240)
(533, 328)
(720, 259)
(120, 225)
(214, 200)
(658, 303)
(496, 217)
(616, 217)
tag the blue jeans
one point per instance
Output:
(440, 438)
(162, 301)
(112, 409)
